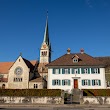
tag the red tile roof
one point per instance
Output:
(84, 60)
(5, 66)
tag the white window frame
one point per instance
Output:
(86, 82)
(56, 71)
(76, 71)
(66, 70)
(65, 82)
(75, 60)
(85, 70)
(96, 82)
(56, 82)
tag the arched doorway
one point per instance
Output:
(3, 86)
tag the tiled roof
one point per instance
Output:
(84, 60)
(5, 66)
(105, 60)
(40, 79)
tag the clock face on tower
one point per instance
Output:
(44, 46)
(18, 71)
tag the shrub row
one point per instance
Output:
(96, 92)
(30, 92)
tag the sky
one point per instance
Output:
(73, 24)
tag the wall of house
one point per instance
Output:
(35, 85)
(80, 77)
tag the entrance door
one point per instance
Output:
(76, 83)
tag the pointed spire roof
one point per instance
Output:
(46, 34)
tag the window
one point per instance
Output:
(17, 79)
(85, 70)
(35, 86)
(56, 82)
(95, 70)
(96, 82)
(66, 71)
(56, 70)
(65, 82)
(75, 60)
(86, 82)
(44, 53)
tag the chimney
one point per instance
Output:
(81, 50)
(68, 51)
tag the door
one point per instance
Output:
(76, 83)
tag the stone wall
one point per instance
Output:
(31, 100)
(95, 100)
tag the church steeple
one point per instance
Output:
(45, 51)
(46, 34)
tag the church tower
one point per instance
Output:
(45, 50)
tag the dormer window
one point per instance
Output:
(75, 60)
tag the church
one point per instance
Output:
(25, 74)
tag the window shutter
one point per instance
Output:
(53, 70)
(63, 82)
(88, 70)
(99, 82)
(93, 82)
(63, 71)
(89, 82)
(68, 70)
(53, 82)
(92, 70)
(59, 82)
(82, 70)
(98, 70)
(78, 70)
(83, 82)
(68, 82)
(59, 70)
(72, 70)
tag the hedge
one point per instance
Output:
(30, 92)
(96, 92)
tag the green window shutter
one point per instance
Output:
(59, 70)
(78, 70)
(92, 70)
(68, 70)
(98, 70)
(89, 83)
(99, 82)
(59, 82)
(53, 82)
(93, 82)
(53, 70)
(83, 82)
(88, 70)
(72, 70)
(63, 82)
(68, 82)
(63, 72)
(82, 70)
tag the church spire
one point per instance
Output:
(46, 34)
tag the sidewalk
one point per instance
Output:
(54, 105)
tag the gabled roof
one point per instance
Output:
(85, 60)
(5, 66)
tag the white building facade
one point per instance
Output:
(79, 71)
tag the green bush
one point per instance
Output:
(30, 92)
(96, 92)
